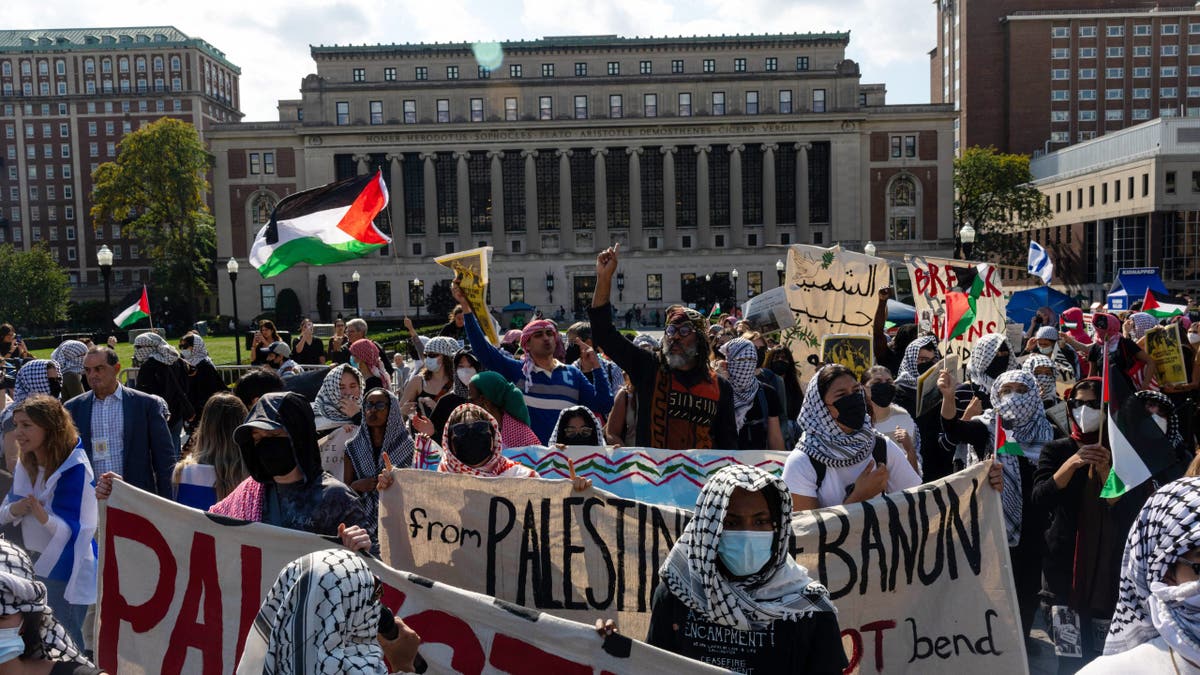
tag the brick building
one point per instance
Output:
(67, 97)
(695, 153)
(1032, 76)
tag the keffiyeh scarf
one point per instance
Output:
(1026, 423)
(741, 359)
(22, 593)
(1167, 528)
(571, 412)
(823, 439)
(329, 396)
(560, 349)
(1142, 322)
(982, 355)
(199, 353)
(497, 465)
(1045, 383)
(69, 356)
(367, 354)
(31, 380)
(1174, 437)
(782, 591)
(152, 346)
(320, 617)
(907, 377)
(397, 443)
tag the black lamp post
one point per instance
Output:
(357, 306)
(550, 286)
(779, 267)
(967, 235)
(232, 268)
(104, 258)
(620, 286)
(733, 275)
(417, 295)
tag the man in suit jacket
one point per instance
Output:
(124, 431)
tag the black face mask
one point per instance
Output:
(998, 366)
(55, 387)
(471, 445)
(852, 410)
(762, 355)
(780, 368)
(922, 367)
(883, 393)
(275, 454)
(572, 353)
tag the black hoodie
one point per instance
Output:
(318, 502)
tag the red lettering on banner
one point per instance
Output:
(878, 627)
(513, 656)
(855, 655)
(438, 627)
(251, 595)
(990, 290)
(113, 606)
(856, 649)
(205, 636)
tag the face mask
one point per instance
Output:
(1009, 405)
(275, 455)
(1046, 350)
(1088, 419)
(185, 354)
(998, 366)
(472, 448)
(465, 374)
(744, 552)
(1161, 422)
(882, 394)
(572, 353)
(922, 367)
(55, 387)
(431, 363)
(780, 368)
(11, 644)
(762, 354)
(852, 410)
(1194, 338)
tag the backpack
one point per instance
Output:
(878, 453)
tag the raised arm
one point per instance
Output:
(879, 326)
(629, 357)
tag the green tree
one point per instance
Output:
(994, 193)
(156, 188)
(36, 289)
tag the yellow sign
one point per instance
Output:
(856, 352)
(471, 270)
(1163, 345)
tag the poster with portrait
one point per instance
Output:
(856, 352)
(1163, 345)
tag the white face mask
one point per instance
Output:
(185, 354)
(1161, 422)
(1046, 350)
(431, 363)
(1193, 338)
(1087, 418)
(465, 375)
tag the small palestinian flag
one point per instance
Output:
(137, 307)
(1128, 469)
(1005, 446)
(1162, 306)
(961, 305)
(322, 226)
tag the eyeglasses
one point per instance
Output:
(682, 330)
(377, 405)
(463, 429)
(1094, 404)
(573, 432)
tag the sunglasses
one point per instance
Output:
(464, 429)
(682, 330)
(378, 405)
(578, 433)
(1094, 404)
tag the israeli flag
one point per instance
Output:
(1040, 264)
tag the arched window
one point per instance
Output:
(903, 205)
(261, 206)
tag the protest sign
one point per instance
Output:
(589, 555)
(856, 352)
(1162, 343)
(928, 395)
(471, 271)
(829, 290)
(179, 591)
(933, 278)
(768, 311)
(665, 477)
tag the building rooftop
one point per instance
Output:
(585, 42)
(73, 39)
(1161, 136)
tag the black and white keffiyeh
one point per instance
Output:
(1025, 422)
(69, 356)
(781, 591)
(397, 443)
(1167, 407)
(152, 346)
(982, 355)
(1167, 527)
(198, 352)
(1045, 383)
(320, 617)
(571, 412)
(741, 359)
(907, 377)
(22, 593)
(30, 380)
(329, 396)
(823, 439)
(1142, 322)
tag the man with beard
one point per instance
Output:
(682, 403)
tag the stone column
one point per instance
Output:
(803, 227)
(703, 212)
(396, 202)
(670, 240)
(1102, 275)
(635, 198)
(497, 173)
(770, 235)
(736, 217)
(566, 232)
(431, 217)
(533, 242)
(600, 240)
(462, 178)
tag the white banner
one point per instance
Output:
(933, 278)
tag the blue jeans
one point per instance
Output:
(70, 616)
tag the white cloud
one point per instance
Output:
(270, 39)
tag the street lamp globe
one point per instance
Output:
(355, 277)
(104, 256)
(734, 274)
(232, 266)
(967, 234)
(779, 266)
(869, 249)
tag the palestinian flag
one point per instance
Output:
(1162, 306)
(1128, 469)
(321, 226)
(1004, 446)
(137, 307)
(961, 304)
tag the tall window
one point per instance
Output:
(443, 110)
(650, 105)
(410, 112)
(818, 183)
(510, 109)
(266, 297)
(261, 207)
(581, 107)
(545, 107)
(685, 187)
(512, 169)
(616, 175)
(583, 189)
(718, 103)
(343, 113)
(476, 110)
(785, 101)
(546, 173)
(446, 175)
(616, 109)
(818, 100)
(652, 187)
(654, 287)
(752, 184)
(785, 183)
(479, 182)
(718, 185)
(516, 289)
(376, 112)
(752, 103)
(685, 104)
(383, 294)
(902, 209)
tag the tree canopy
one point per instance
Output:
(36, 290)
(993, 192)
(156, 189)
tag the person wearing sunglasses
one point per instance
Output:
(577, 426)
(681, 402)
(382, 432)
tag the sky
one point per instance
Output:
(269, 39)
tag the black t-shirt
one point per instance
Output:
(811, 645)
(312, 353)
(753, 435)
(317, 507)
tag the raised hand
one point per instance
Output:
(606, 262)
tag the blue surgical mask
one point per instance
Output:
(12, 644)
(745, 552)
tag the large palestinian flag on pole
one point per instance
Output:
(136, 307)
(1162, 306)
(321, 226)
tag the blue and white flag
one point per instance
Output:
(1040, 264)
